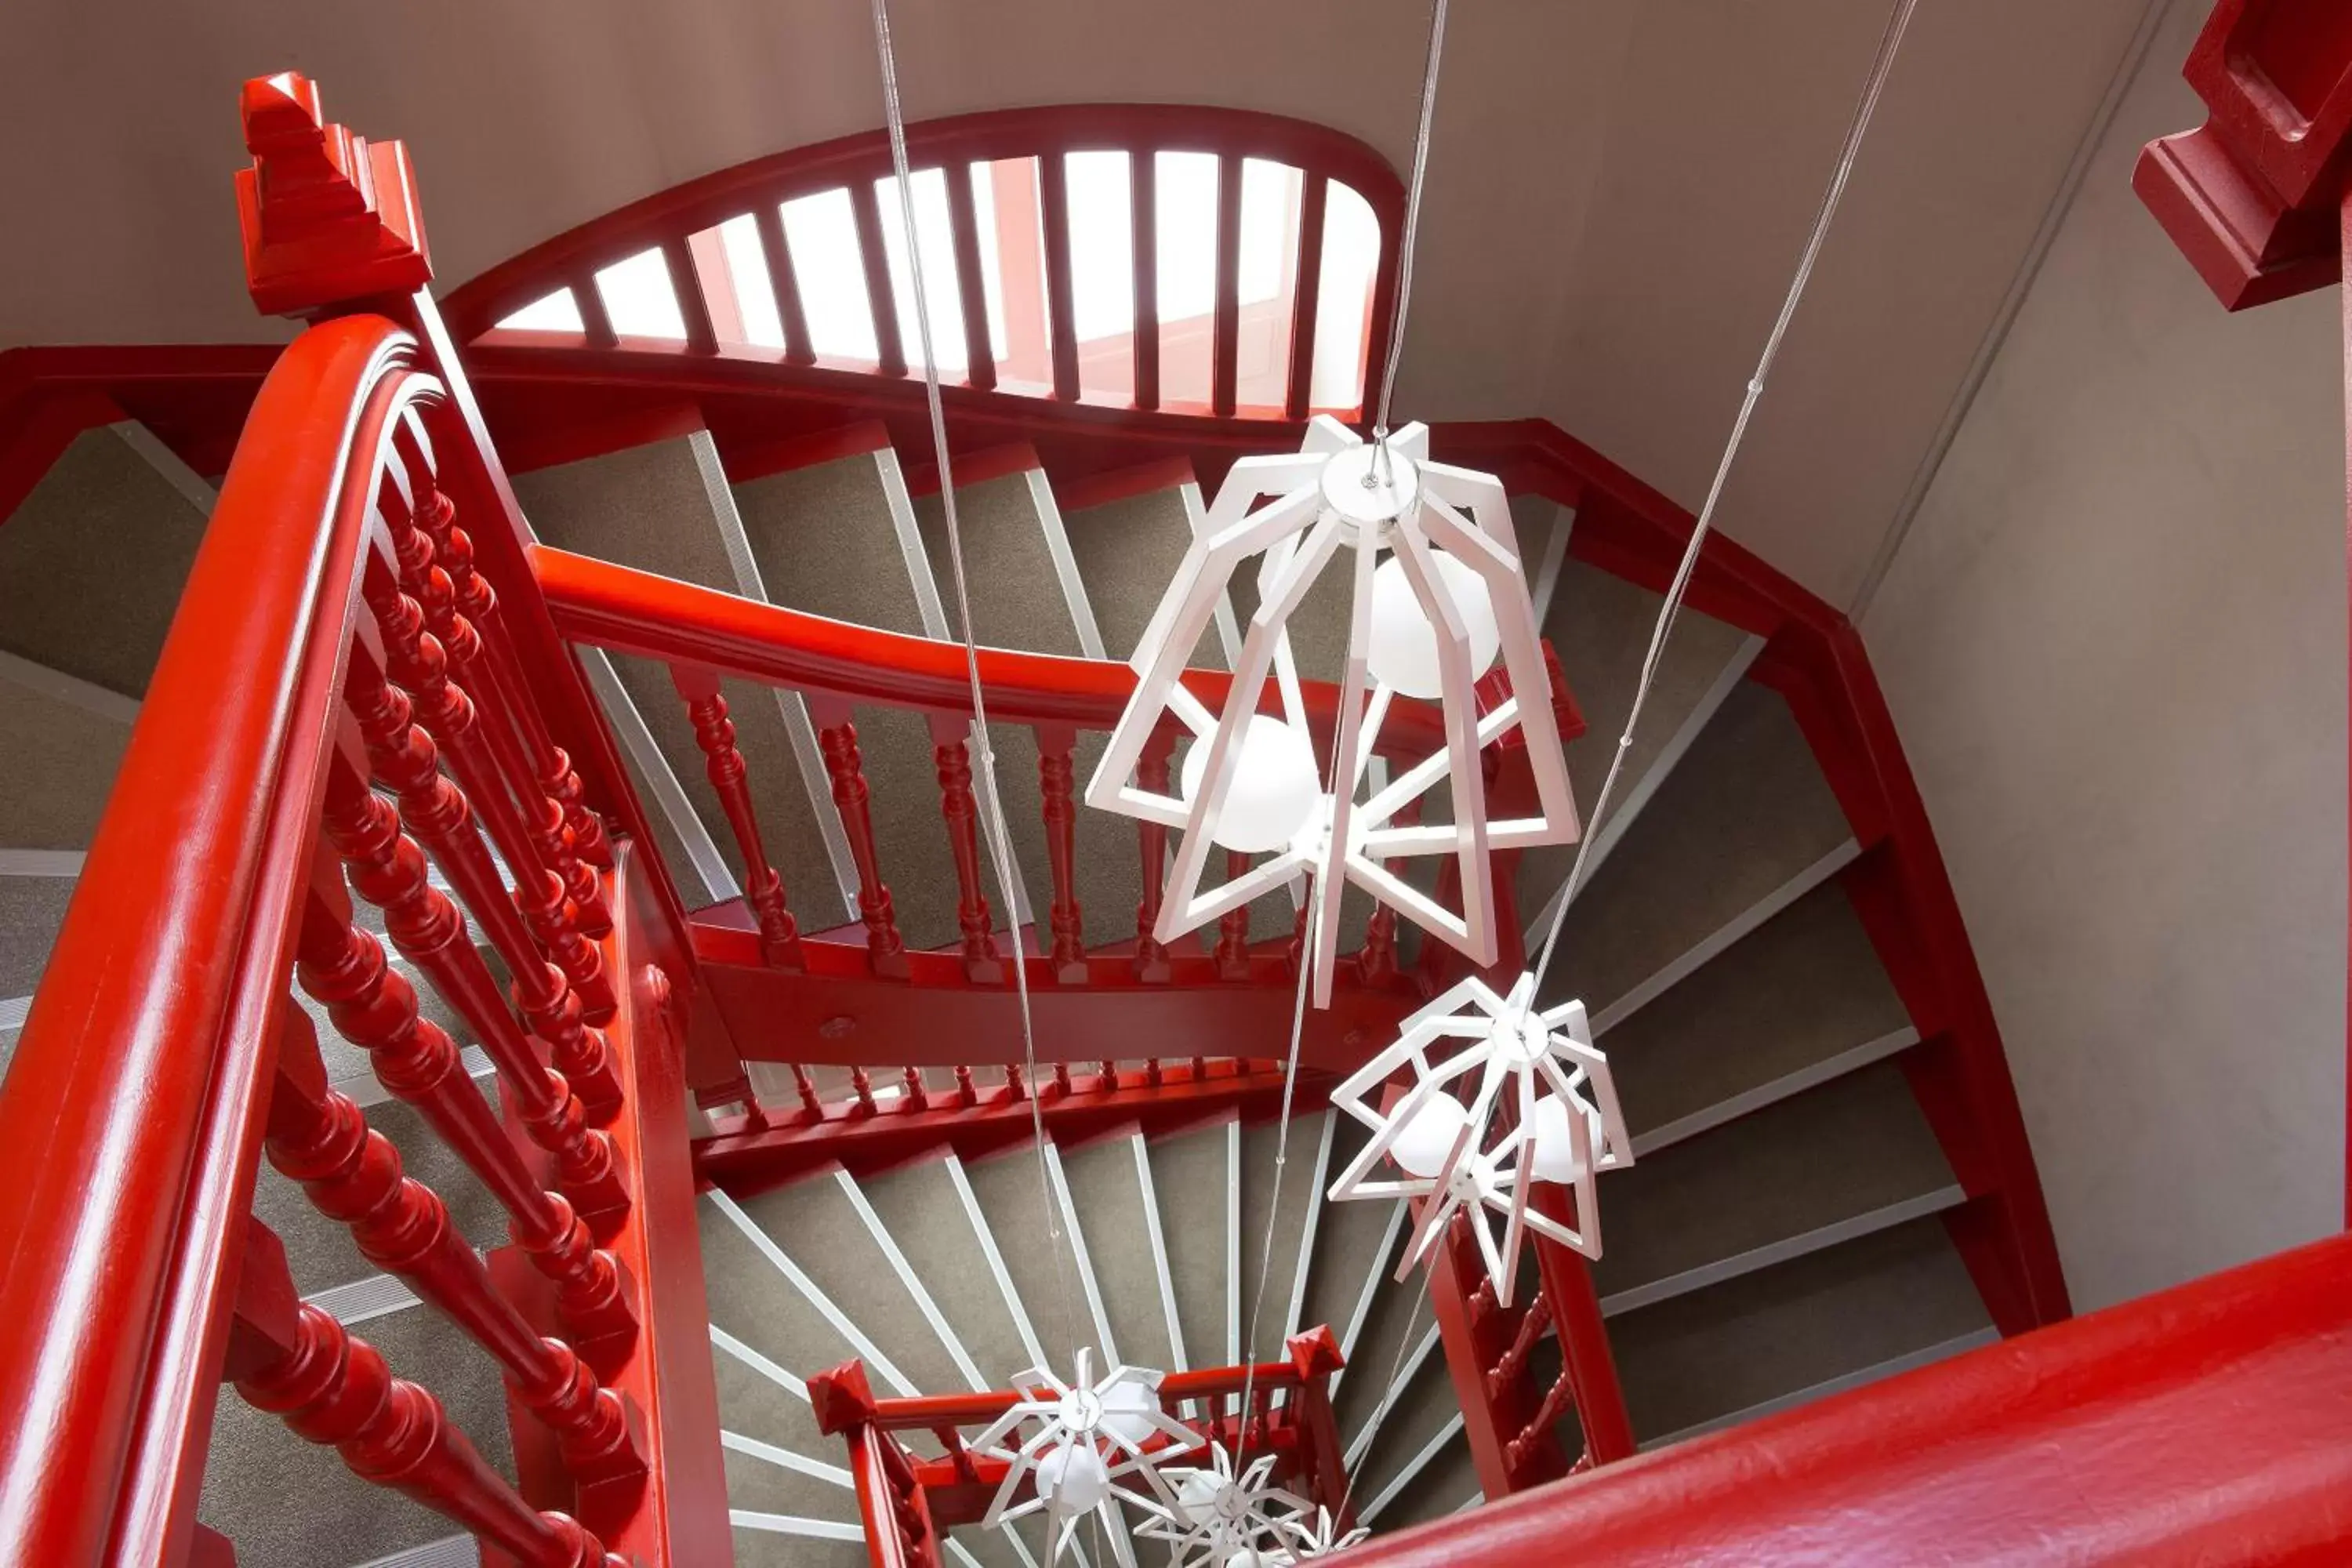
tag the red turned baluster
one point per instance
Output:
(810, 1103)
(861, 1090)
(1109, 1077)
(952, 758)
(1233, 930)
(472, 667)
(918, 1093)
(1152, 775)
(321, 1139)
(886, 950)
(454, 549)
(1014, 1083)
(295, 1361)
(415, 659)
(763, 888)
(1154, 1077)
(388, 869)
(1377, 963)
(437, 812)
(967, 1093)
(343, 968)
(1062, 1084)
(1056, 784)
(736, 1090)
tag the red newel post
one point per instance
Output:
(321, 1139)
(328, 218)
(298, 1362)
(405, 757)
(952, 758)
(1152, 839)
(343, 968)
(763, 887)
(886, 950)
(388, 869)
(1058, 784)
(417, 659)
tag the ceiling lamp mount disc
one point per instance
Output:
(1437, 597)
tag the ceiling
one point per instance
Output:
(1617, 191)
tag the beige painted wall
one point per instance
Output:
(2114, 645)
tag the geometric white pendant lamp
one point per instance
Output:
(1089, 1437)
(1437, 595)
(1566, 1127)
(1226, 1517)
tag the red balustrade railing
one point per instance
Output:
(718, 255)
(337, 637)
(906, 1499)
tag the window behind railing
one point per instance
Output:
(1152, 256)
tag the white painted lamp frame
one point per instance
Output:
(1338, 490)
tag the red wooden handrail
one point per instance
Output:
(131, 1111)
(628, 611)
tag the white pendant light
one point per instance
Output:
(1225, 1518)
(1319, 1537)
(1567, 1130)
(1447, 602)
(1083, 1439)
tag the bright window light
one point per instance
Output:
(1102, 245)
(933, 233)
(821, 233)
(638, 299)
(1351, 257)
(1012, 267)
(747, 271)
(1186, 226)
(1269, 245)
(1102, 272)
(558, 313)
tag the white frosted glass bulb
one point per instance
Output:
(1403, 651)
(1274, 792)
(1556, 1159)
(1196, 1489)
(1073, 1478)
(1428, 1136)
(1128, 1408)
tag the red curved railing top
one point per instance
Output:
(1185, 258)
(135, 1093)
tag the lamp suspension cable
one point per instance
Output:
(1880, 65)
(1000, 836)
(1395, 354)
(1331, 781)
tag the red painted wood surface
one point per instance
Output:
(952, 757)
(333, 1388)
(321, 1139)
(142, 1054)
(886, 950)
(763, 885)
(328, 218)
(1058, 789)
(2250, 196)
(2204, 1425)
(1588, 1370)
(676, 1515)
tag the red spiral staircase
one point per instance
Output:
(374, 664)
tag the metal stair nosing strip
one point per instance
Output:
(637, 741)
(1103, 1341)
(1723, 937)
(1375, 1266)
(1926, 1356)
(907, 1277)
(1314, 1219)
(1167, 1281)
(1004, 1277)
(1361, 1443)
(1787, 1086)
(785, 1460)
(1608, 835)
(1413, 1467)
(836, 1318)
(1885, 1217)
